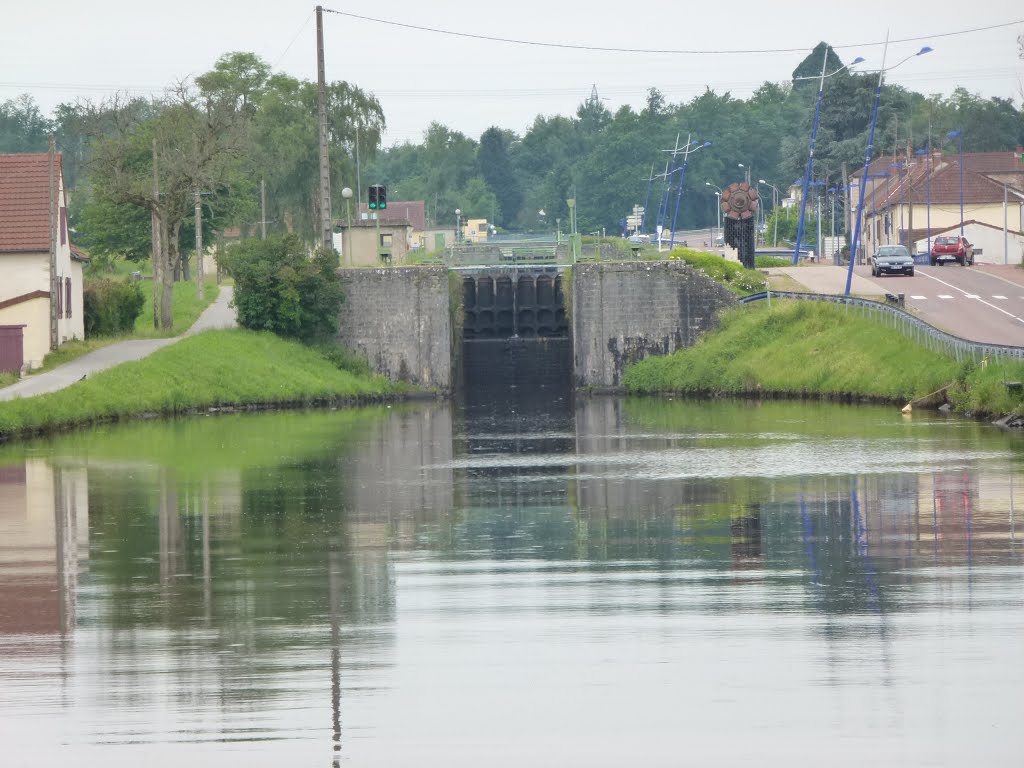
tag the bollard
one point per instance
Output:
(900, 300)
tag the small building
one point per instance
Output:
(368, 244)
(26, 295)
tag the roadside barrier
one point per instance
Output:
(910, 326)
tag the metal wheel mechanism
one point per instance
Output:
(739, 209)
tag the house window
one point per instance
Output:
(67, 297)
(59, 298)
(385, 240)
(63, 226)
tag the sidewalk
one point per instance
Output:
(829, 279)
(217, 315)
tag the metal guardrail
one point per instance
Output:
(910, 326)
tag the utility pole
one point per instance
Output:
(199, 245)
(54, 287)
(326, 226)
(263, 208)
(157, 249)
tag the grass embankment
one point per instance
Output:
(733, 275)
(798, 348)
(186, 310)
(212, 369)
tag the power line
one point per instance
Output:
(608, 49)
(289, 47)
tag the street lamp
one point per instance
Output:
(718, 207)
(959, 135)
(867, 155)
(691, 147)
(814, 136)
(775, 203)
(746, 172)
(347, 194)
(927, 192)
(458, 225)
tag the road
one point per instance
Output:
(982, 303)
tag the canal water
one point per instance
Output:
(516, 582)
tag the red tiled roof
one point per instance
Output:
(939, 181)
(25, 202)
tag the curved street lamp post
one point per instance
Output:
(867, 156)
(814, 135)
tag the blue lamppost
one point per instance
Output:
(691, 147)
(814, 136)
(959, 135)
(928, 192)
(867, 157)
(647, 201)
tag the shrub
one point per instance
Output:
(280, 287)
(111, 306)
(344, 359)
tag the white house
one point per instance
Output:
(26, 294)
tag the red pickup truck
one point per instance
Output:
(952, 248)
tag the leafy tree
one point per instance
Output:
(496, 169)
(22, 126)
(279, 287)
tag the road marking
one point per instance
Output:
(919, 298)
(1001, 298)
(971, 296)
(961, 290)
(945, 296)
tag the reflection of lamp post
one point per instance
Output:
(814, 135)
(347, 194)
(458, 225)
(867, 157)
(959, 135)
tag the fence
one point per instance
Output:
(910, 326)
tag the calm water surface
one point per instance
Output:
(600, 583)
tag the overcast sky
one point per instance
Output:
(64, 50)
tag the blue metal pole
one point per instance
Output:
(961, 136)
(864, 177)
(810, 162)
(679, 198)
(928, 197)
(663, 205)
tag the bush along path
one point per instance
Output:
(218, 315)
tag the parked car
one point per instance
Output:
(639, 239)
(952, 248)
(890, 260)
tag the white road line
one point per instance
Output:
(961, 290)
(945, 296)
(971, 296)
(1001, 298)
(919, 298)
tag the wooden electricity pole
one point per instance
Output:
(157, 250)
(326, 225)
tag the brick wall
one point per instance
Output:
(623, 312)
(398, 319)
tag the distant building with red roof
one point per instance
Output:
(26, 293)
(911, 198)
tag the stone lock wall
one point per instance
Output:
(398, 319)
(624, 311)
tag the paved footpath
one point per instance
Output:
(217, 315)
(829, 279)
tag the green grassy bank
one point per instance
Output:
(212, 369)
(811, 349)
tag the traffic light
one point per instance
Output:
(378, 197)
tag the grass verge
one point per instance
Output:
(186, 308)
(731, 274)
(212, 369)
(798, 348)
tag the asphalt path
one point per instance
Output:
(982, 303)
(218, 315)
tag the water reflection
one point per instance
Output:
(606, 574)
